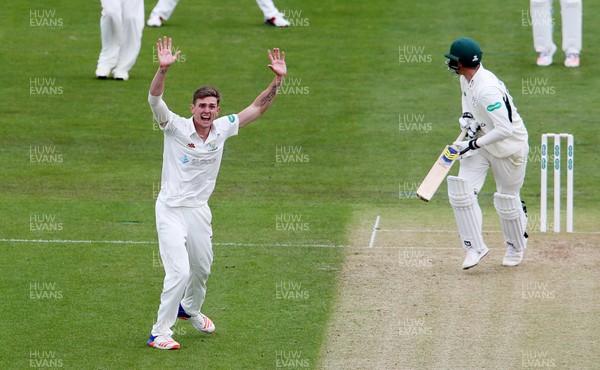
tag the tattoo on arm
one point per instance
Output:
(270, 95)
(163, 71)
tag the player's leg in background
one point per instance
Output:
(173, 253)
(542, 25)
(132, 27)
(161, 12)
(200, 256)
(271, 14)
(462, 193)
(571, 11)
(110, 26)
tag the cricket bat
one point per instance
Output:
(440, 169)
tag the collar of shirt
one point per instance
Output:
(189, 129)
(475, 76)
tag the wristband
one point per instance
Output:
(473, 144)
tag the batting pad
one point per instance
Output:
(510, 210)
(466, 212)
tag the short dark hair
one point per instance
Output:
(205, 91)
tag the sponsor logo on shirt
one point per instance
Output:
(493, 107)
(231, 118)
(203, 162)
(184, 159)
(191, 145)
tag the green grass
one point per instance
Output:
(346, 124)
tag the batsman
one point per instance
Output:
(496, 139)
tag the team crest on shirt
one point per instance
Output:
(212, 146)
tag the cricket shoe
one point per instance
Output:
(473, 257)
(545, 57)
(278, 21)
(572, 60)
(513, 257)
(102, 72)
(162, 342)
(120, 75)
(200, 321)
(154, 21)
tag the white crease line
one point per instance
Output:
(67, 241)
(485, 231)
(375, 228)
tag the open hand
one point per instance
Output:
(277, 65)
(165, 53)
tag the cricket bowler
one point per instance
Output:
(497, 139)
(193, 148)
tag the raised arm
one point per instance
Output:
(165, 59)
(264, 100)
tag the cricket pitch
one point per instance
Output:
(405, 303)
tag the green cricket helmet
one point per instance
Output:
(466, 51)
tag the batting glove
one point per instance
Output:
(468, 122)
(462, 145)
(466, 145)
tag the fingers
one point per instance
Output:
(276, 54)
(164, 43)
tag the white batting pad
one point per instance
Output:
(466, 212)
(511, 214)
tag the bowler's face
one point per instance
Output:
(205, 111)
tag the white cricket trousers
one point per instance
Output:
(542, 24)
(185, 244)
(164, 8)
(509, 174)
(121, 26)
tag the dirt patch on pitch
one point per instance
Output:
(406, 304)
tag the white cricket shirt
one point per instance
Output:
(503, 132)
(191, 165)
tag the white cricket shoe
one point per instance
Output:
(162, 342)
(278, 21)
(120, 75)
(102, 72)
(512, 257)
(572, 60)
(545, 57)
(154, 21)
(473, 257)
(202, 323)
(199, 321)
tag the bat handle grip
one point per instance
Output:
(462, 135)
